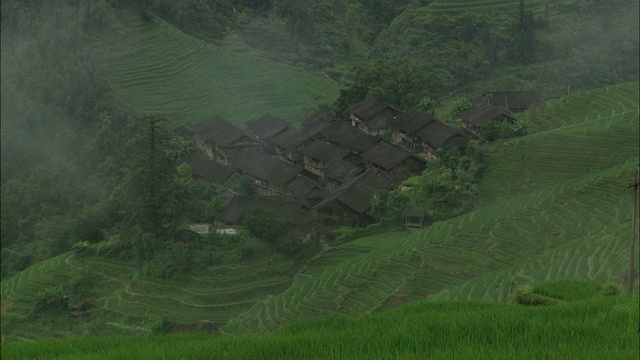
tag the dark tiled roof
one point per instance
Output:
(348, 136)
(385, 155)
(302, 185)
(438, 133)
(356, 193)
(306, 189)
(512, 100)
(324, 152)
(267, 126)
(314, 128)
(207, 169)
(341, 170)
(411, 120)
(483, 113)
(265, 167)
(477, 101)
(289, 210)
(319, 117)
(218, 130)
(369, 108)
(457, 141)
(290, 139)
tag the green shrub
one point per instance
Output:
(52, 300)
(525, 295)
(496, 130)
(170, 263)
(568, 290)
(81, 247)
(265, 224)
(291, 246)
(610, 289)
(247, 248)
(163, 326)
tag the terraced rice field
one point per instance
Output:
(563, 224)
(159, 70)
(125, 292)
(554, 205)
(28, 285)
(599, 131)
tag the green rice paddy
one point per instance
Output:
(585, 325)
(158, 70)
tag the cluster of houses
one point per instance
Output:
(328, 171)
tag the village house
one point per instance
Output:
(206, 171)
(348, 205)
(314, 127)
(477, 117)
(342, 135)
(512, 101)
(287, 145)
(270, 176)
(308, 191)
(318, 155)
(372, 115)
(413, 219)
(318, 118)
(266, 127)
(340, 171)
(440, 135)
(298, 218)
(392, 162)
(220, 140)
(405, 125)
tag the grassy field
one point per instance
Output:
(159, 70)
(553, 205)
(584, 325)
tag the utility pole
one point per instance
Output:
(632, 237)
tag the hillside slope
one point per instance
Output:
(554, 205)
(159, 70)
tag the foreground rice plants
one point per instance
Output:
(585, 325)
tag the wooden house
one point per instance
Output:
(220, 140)
(266, 127)
(287, 145)
(308, 191)
(206, 171)
(475, 118)
(340, 171)
(372, 115)
(405, 125)
(318, 155)
(342, 135)
(270, 176)
(297, 217)
(392, 162)
(413, 219)
(348, 205)
(318, 118)
(512, 101)
(440, 135)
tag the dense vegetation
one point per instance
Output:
(96, 100)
